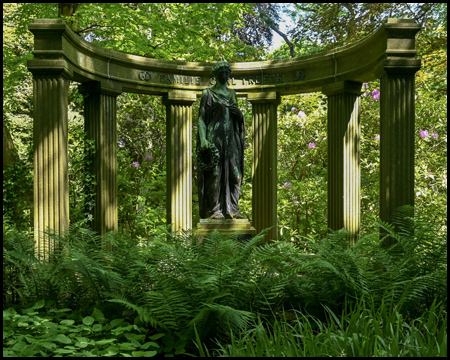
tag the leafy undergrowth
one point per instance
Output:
(170, 296)
(364, 331)
(38, 331)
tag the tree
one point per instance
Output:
(337, 24)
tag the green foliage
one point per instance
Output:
(337, 24)
(44, 331)
(302, 166)
(144, 293)
(141, 164)
(364, 330)
(218, 289)
(18, 195)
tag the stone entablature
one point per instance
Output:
(57, 46)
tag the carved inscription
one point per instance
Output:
(253, 80)
(300, 75)
(197, 80)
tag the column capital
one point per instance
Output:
(348, 87)
(264, 97)
(49, 67)
(399, 66)
(99, 87)
(179, 97)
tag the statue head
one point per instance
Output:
(218, 66)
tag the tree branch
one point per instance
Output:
(271, 24)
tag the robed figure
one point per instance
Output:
(220, 149)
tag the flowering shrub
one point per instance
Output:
(302, 211)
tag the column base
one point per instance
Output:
(241, 229)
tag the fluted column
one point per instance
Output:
(397, 120)
(179, 159)
(100, 126)
(51, 181)
(343, 132)
(264, 182)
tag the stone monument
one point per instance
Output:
(220, 156)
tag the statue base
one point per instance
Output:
(239, 228)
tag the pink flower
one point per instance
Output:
(366, 85)
(136, 164)
(288, 185)
(294, 109)
(312, 145)
(424, 133)
(377, 137)
(376, 94)
(435, 135)
(301, 114)
(295, 202)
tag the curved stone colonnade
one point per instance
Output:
(60, 55)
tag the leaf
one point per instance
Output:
(88, 320)
(63, 351)
(127, 346)
(97, 327)
(148, 344)
(143, 353)
(40, 304)
(63, 339)
(67, 322)
(19, 346)
(82, 342)
(110, 351)
(116, 322)
(156, 336)
(104, 341)
(98, 316)
(48, 345)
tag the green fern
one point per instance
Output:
(176, 286)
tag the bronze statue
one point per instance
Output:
(220, 149)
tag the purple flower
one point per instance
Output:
(149, 158)
(136, 164)
(312, 145)
(377, 137)
(424, 133)
(435, 135)
(301, 114)
(376, 94)
(294, 109)
(366, 85)
(295, 202)
(288, 185)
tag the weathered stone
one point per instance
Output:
(241, 228)
(344, 173)
(360, 61)
(100, 126)
(389, 53)
(179, 159)
(50, 143)
(264, 183)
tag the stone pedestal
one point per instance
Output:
(241, 228)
